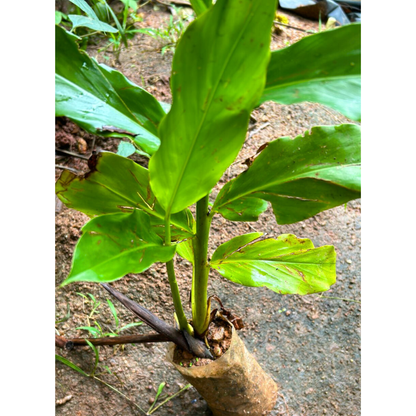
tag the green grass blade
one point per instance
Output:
(170, 398)
(94, 331)
(71, 365)
(159, 392)
(113, 311)
(130, 325)
(97, 356)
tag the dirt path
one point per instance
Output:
(310, 345)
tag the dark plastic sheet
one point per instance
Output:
(343, 12)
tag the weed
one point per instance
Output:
(170, 34)
(97, 331)
(152, 409)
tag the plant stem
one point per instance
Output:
(62, 342)
(180, 314)
(200, 312)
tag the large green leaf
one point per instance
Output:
(118, 184)
(143, 105)
(94, 24)
(301, 177)
(243, 209)
(85, 7)
(286, 265)
(199, 6)
(323, 68)
(85, 95)
(113, 245)
(218, 75)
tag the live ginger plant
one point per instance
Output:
(221, 71)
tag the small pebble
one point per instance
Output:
(219, 334)
(217, 350)
(64, 400)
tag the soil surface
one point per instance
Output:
(310, 345)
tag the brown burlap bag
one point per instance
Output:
(234, 384)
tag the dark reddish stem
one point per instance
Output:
(62, 342)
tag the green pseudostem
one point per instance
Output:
(200, 312)
(180, 314)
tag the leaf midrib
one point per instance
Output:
(143, 208)
(214, 90)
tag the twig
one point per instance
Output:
(292, 27)
(333, 297)
(263, 126)
(180, 2)
(68, 344)
(68, 168)
(180, 338)
(144, 4)
(67, 152)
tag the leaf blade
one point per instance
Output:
(303, 176)
(323, 68)
(85, 95)
(94, 24)
(70, 364)
(141, 103)
(217, 77)
(117, 185)
(114, 245)
(286, 265)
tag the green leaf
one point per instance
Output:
(303, 176)
(130, 325)
(186, 250)
(94, 331)
(58, 17)
(84, 94)
(199, 6)
(323, 68)
(132, 4)
(97, 356)
(94, 24)
(125, 149)
(143, 105)
(159, 392)
(218, 75)
(243, 209)
(85, 7)
(286, 265)
(70, 364)
(113, 311)
(118, 185)
(114, 245)
(101, 11)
